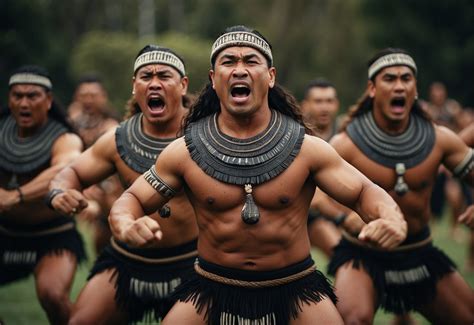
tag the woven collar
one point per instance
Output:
(244, 161)
(138, 150)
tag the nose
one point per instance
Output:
(155, 83)
(240, 71)
(24, 102)
(399, 86)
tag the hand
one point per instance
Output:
(92, 212)
(467, 217)
(142, 232)
(384, 233)
(8, 199)
(69, 202)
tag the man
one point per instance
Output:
(392, 142)
(250, 173)
(92, 116)
(36, 142)
(129, 284)
(319, 107)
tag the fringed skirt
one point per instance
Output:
(231, 296)
(22, 247)
(144, 279)
(404, 278)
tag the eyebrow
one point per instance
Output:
(234, 57)
(392, 75)
(162, 71)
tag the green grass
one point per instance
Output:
(19, 305)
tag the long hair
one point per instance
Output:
(57, 111)
(208, 103)
(365, 103)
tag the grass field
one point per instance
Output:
(18, 303)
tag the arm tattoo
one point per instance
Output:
(465, 166)
(158, 184)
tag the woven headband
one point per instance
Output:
(242, 39)
(160, 57)
(30, 78)
(391, 60)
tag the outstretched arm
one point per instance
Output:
(385, 226)
(91, 167)
(128, 220)
(65, 149)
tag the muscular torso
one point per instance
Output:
(280, 237)
(420, 179)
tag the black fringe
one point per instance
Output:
(282, 302)
(54, 244)
(396, 298)
(147, 307)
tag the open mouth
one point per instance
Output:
(398, 102)
(240, 91)
(25, 114)
(156, 104)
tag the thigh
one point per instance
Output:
(356, 294)
(453, 303)
(183, 313)
(96, 302)
(55, 272)
(324, 235)
(323, 312)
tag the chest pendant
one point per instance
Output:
(400, 186)
(250, 214)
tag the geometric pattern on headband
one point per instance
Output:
(242, 39)
(391, 60)
(30, 78)
(159, 57)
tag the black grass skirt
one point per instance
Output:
(228, 304)
(22, 247)
(404, 280)
(143, 289)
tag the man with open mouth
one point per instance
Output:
(250, 172)
(36, 142)
(391, 140)
(133, 280)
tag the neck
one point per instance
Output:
(29, 132)
(244, 127)
(392, 127)
(167, 129)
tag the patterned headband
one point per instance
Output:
(160, 57)
(242, 39)
(30, 78)
(391, 60)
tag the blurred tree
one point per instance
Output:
(113, 59)
(439, 34)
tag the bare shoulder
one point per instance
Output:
(343, 144)
(174, 156)
(67, 142)
(317, 151)
(467, 135)
(105, 146)
(447, 138)
(110, 123)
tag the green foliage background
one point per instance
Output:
(310, 38)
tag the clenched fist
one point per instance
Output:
(384, 233)
(142, 232)
(69, 202)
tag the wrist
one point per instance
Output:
(51, 195)
(21, 197)
(339, 219)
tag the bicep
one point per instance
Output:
(66, 148)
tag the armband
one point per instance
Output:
(339, 220)
(465, 166)
(51, 195)
(158, 184)
(20, 193)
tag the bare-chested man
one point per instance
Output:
(92, 116)
(128, 284)
(250, 173)
(394, 144)
(36, 142)
(319, 107)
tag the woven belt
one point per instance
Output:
(253, 284)
(55, 230)
(401, 248)
(164, 260)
